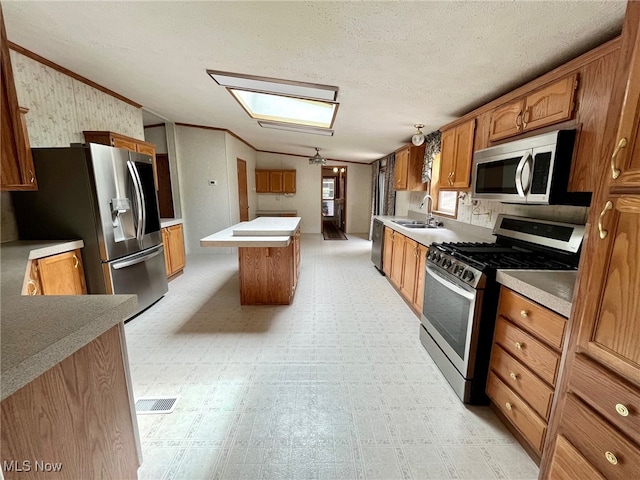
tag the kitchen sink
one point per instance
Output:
(414, 224)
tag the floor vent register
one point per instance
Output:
(156, 405)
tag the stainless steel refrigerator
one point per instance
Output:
(106, 196)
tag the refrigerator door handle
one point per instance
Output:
(137, 259)
(139, 199)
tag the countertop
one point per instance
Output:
(169, 222)
(39, 332)
(451, 231)
(261, 232)
(553, 289)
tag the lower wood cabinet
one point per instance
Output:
(60, 274)
(403, 262)
(525, 358)
(567, 462)
(78, 415)
(173, 240)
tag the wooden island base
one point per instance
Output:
(268, 275)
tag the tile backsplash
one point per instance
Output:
(484, 213)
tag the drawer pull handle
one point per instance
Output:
(31, 283)
(603, 233)
(513, 376)
(509, 407)
(615, 171)
(519, 346)
(611, 458)
(76, 261)
(524, 313)
(622, 410)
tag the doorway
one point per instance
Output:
(334, 199)
(243, 200)
(165, 195)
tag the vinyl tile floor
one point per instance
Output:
(334, 386)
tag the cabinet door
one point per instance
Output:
(387, 253)
(275, 181)
(567, 462)
(447, 157)
(418, 296)
(62, 274)
(262, 181)
(124, 143)
(16, 160)
(408, 284)
(176, 248)
(401, 169)
(461, 177)
(613, 336)
(551, 104)
(625, 161)
(289, 181)
(506, 120)
(397, 259)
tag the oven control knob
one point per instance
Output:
(446, 263)
(468, 275)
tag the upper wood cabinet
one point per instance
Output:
(60, 274)
(550, 104)
(456, 156)
(122, 141)
(18, 172)
(408, 168)
(275, 181)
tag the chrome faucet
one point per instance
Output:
(429, 207)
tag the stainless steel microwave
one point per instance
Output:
(534, 170)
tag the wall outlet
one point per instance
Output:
(213, 183)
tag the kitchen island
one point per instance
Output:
(268, 258)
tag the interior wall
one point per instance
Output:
(60, 108)
(307, 200)
(202, 157)
(158, 136)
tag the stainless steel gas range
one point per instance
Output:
(461, 293)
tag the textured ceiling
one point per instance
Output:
(396, 63)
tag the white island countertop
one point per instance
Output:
(261, 232)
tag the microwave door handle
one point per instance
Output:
(134, 176)
(519, 186)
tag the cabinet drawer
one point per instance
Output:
(567, 462)
(529, 351)
(540, 321)
(517, 411)
(520, 379)
(617, 402)
(603, 447)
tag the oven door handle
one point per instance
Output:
(450, 285)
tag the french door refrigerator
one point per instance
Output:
(106, 196)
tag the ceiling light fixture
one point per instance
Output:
(317, 159)
(418, 137)
(297, 128)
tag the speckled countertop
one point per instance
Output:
(39, 332)
(169, 222)
(553, 289)
(451, 231)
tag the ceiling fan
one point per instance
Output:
(317, 159)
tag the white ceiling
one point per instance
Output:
(396, 63)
